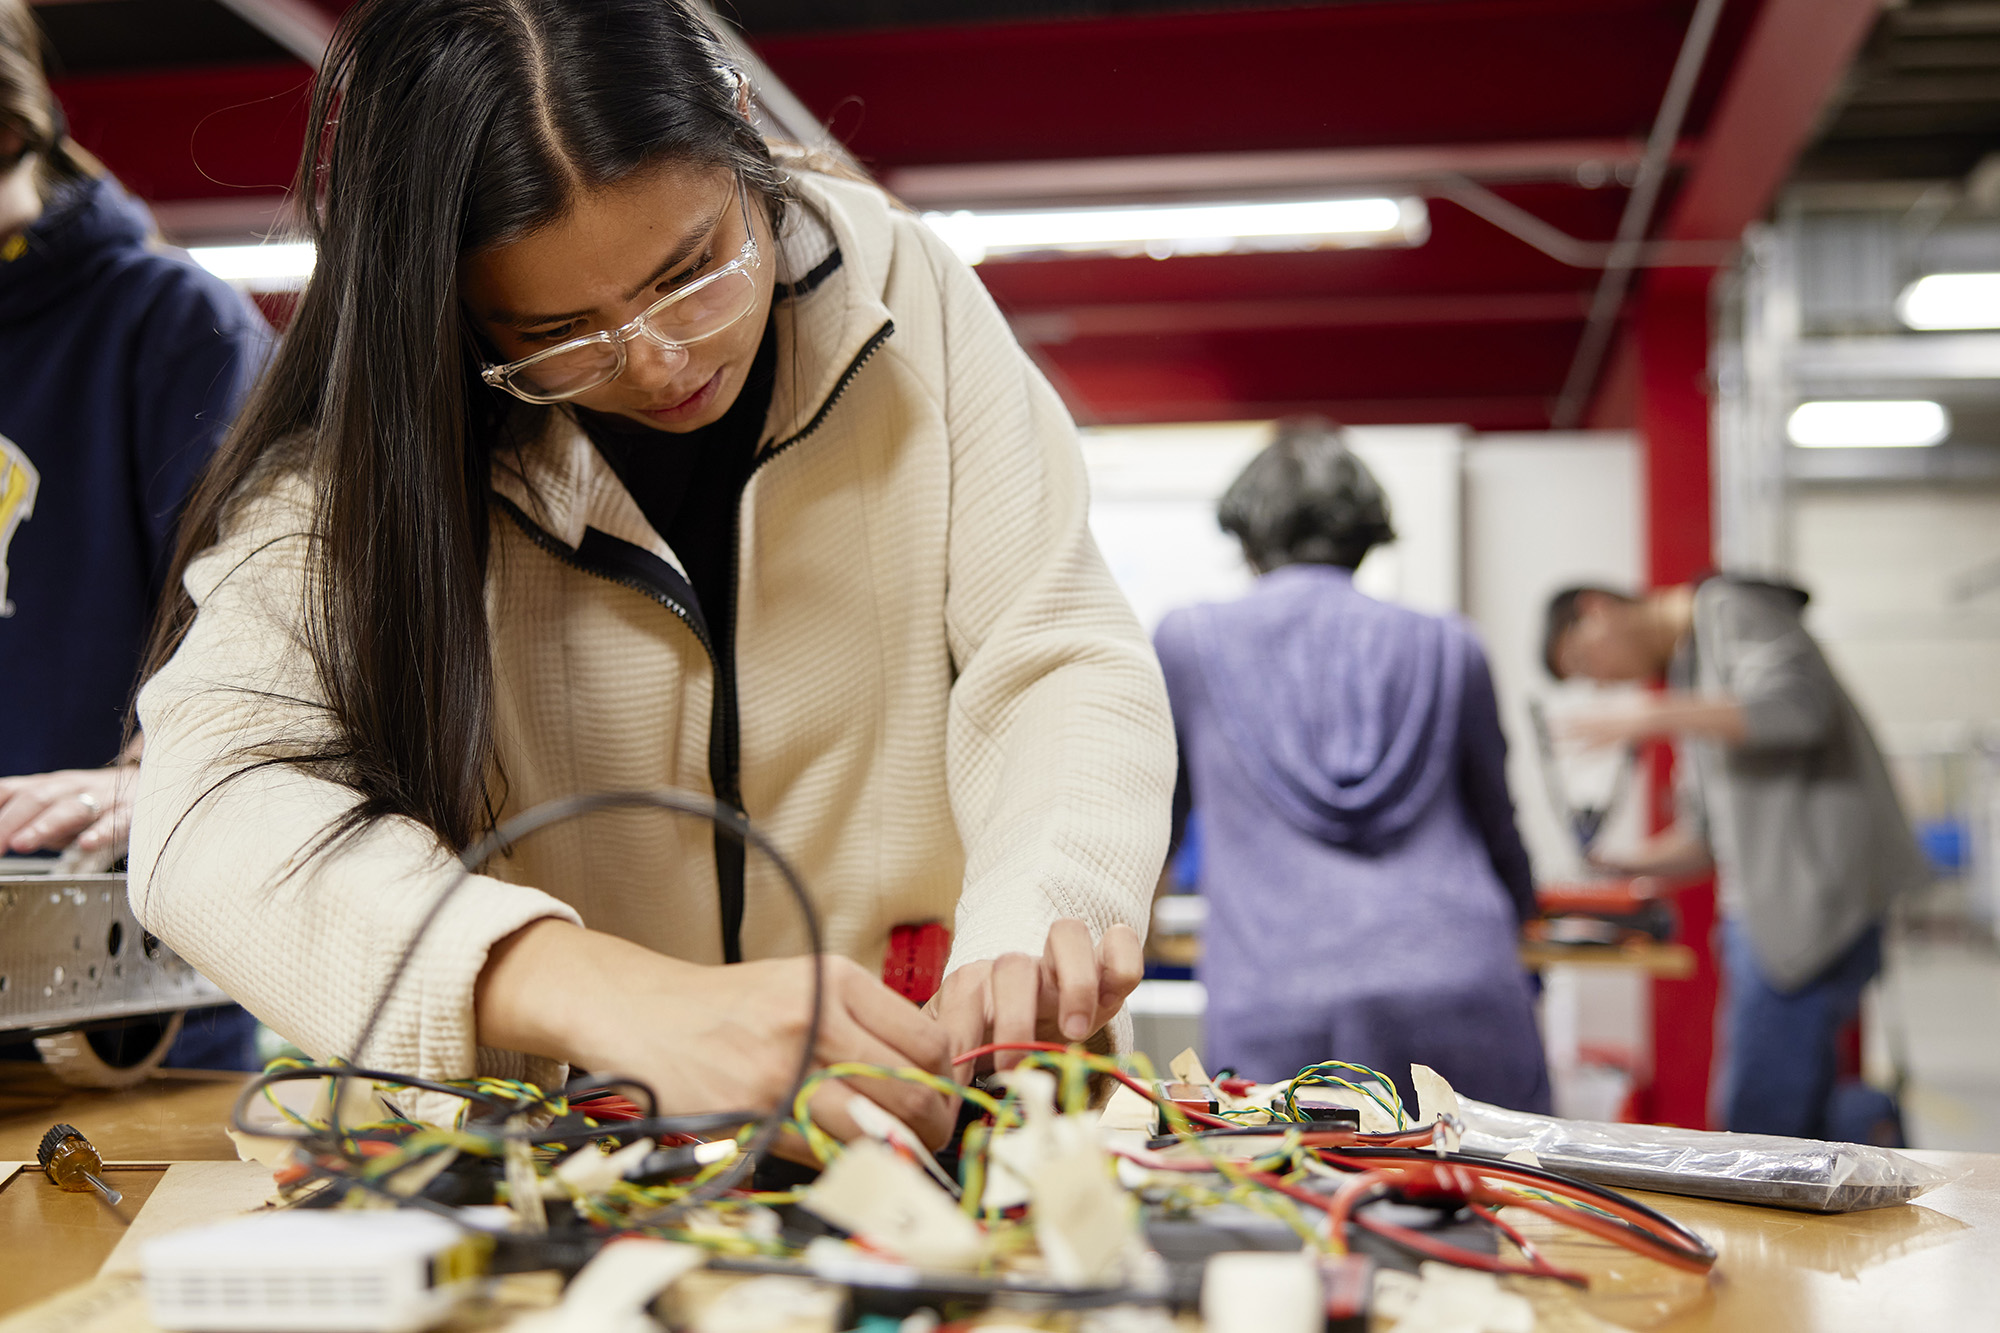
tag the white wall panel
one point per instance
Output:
(1542, 512)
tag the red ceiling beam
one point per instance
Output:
(1789, 68)
(1304, 312)
(1791, 63)
(193, 133)
(1139, 399)
(1489, 376)
(1288, 77)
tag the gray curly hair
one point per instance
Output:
(1306, 499)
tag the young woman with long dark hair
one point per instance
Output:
(610, 451)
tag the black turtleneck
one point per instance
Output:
(689, 486)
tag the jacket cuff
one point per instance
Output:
(430, 1027)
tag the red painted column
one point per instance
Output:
(1671, 321)
(1791, 61)
(1670, 324)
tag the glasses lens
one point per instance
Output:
(569, 373)
(707, 310)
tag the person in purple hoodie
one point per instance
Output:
(1365, 879)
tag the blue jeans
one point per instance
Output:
(1782, 1057)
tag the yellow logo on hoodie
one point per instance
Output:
(18, 483)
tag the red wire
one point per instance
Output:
(1521, 1242)
(1631, 1229)
(1598, 1225)
(995, 1047)
(1435, 1249)
(1340, 1211)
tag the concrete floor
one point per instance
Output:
(1936, 1012)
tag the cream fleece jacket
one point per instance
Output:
(948, 711)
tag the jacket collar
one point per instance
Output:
(833, 261)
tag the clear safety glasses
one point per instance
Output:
(685, 316)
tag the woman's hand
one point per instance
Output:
(709, 1038)
(90, 807)
(1071, 991)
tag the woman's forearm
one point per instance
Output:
(553, 988)
(529, 992)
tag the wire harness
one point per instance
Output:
(612, 1164)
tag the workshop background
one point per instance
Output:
(1614, 245)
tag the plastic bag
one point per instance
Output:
(1739, 1168)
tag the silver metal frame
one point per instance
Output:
(72, 953)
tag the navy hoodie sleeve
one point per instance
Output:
(1483, 781)
(200, 349)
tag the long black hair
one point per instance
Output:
(438, 128)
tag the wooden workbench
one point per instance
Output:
(1669, 962)
(1933, 1264)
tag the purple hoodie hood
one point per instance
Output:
(1344, 711)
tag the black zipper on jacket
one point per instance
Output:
(729, 859)
(725, 743)
(657, 592)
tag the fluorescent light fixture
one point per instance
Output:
(1868, 425)
(1184, 229)
(1951, 301)
(274, 267)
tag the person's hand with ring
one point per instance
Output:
(90, 808)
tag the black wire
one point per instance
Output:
(319, 1136)
(600, 1085)
(1388, 1233)
(559, 811)
(699, 1123)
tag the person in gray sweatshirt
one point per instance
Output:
(1784, 791)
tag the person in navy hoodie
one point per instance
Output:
(121, 363)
